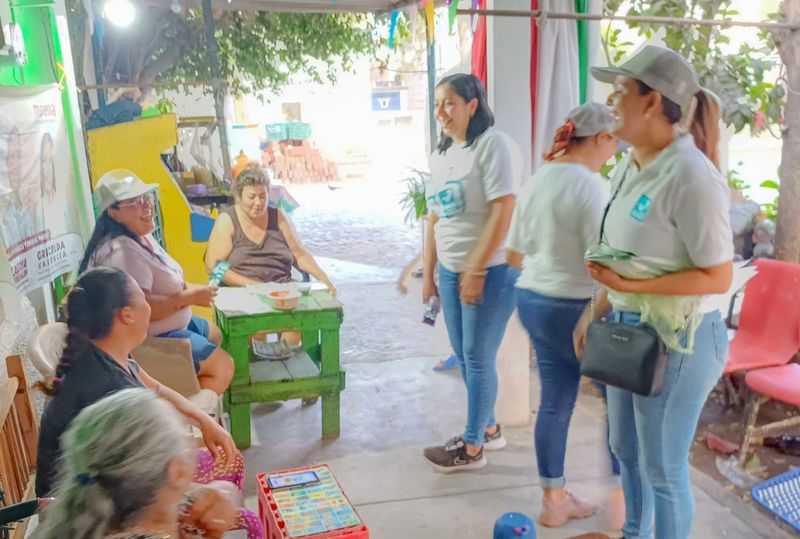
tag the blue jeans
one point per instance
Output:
(651, 436)
(475, 333)
(197, 332)
(550, 322)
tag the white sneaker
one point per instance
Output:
(494, 442)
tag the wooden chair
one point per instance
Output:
(170, 362)
(19, 440)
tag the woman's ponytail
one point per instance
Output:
(705, 125)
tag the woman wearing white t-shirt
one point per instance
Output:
(475, 172)
(669, 213)
(556, 220)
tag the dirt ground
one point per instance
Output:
(727, 422)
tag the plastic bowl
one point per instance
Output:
(283, 300)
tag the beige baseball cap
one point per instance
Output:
(662, 69)
(118, 185)
(591, 119)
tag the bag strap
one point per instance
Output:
(603, 228)
(611, 201)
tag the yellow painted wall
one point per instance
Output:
(137, 146)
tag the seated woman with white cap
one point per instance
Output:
(122, 239)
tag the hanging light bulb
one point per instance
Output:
(120, 13)
(175, 6)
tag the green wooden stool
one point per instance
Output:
(312, 371)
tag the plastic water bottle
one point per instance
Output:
(514, 525)
(215, 279)
(431, 311)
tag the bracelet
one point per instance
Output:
(481, 273)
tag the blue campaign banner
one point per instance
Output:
(382, 101)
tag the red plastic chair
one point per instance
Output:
(769, 324)
(767, 339)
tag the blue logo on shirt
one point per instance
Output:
(641, 209)
(451, 200)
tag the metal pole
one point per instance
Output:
(431, 89)
(219, 90)
(154, 84)
(676, 21)
(97, 58)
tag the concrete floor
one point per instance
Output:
(394, 406)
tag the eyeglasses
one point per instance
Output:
(140, 201)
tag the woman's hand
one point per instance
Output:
(215, 509)
(579, 334)
(331, 288)
(429, 289)
(218, 440)
(201, 295)
(608, 277)
(471, 287)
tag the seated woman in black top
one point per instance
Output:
(108, 317)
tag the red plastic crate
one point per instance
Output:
(274, 525)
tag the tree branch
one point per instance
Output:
(162, 63)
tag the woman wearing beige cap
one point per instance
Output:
(668, 213)
(122, 239)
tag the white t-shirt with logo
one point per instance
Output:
(676, 208)
(463, 183)
(557, 218)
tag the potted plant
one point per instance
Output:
(415, 205)
(413, 201)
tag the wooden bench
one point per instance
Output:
(19, 439)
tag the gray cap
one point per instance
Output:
(591, 119)
(662, 69)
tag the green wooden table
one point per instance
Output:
(312, 371)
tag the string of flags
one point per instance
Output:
(429, 7)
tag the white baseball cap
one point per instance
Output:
(591, 119)
(662, 69)
(119, 185)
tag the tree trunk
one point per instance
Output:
(787, 241)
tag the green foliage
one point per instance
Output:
(608, 166)
(258, 50)
(771, 210)
(741, 79)
(735, 181)
(165, 106)
(413, 202)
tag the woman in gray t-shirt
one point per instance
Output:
(475, 172)
(669, 208)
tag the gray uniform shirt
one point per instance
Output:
(675, 208)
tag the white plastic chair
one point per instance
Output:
(167, 360)
(45, 347)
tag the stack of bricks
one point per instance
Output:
(298, 162)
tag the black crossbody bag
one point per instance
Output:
(628, 357)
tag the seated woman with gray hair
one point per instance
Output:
(127, 474)
(258, 241)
